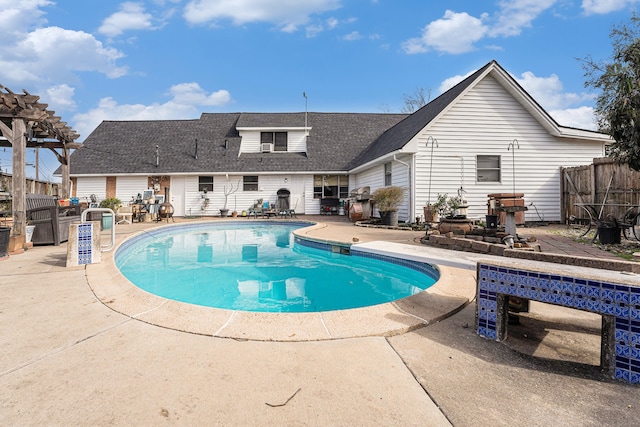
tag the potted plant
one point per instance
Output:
(453, 206)
(229, 189)
(387, 200)
(433, 211)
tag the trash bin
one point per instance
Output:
(107, 220)
(5, 237)
(609, 235)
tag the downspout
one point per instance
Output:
(411, 207)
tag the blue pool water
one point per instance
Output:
(257, 266)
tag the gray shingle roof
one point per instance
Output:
(126, 147)
(337, 142)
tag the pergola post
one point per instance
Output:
(18, 203)
(65, 191)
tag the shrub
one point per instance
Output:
(388, 198)
(112, 203)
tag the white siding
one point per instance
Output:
(400, 177)
(91, 185)
(296, 141)
(268, 186)
(486, 121)
(128, 187)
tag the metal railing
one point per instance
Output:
(108, 247)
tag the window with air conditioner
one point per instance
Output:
(273, 141)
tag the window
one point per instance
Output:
(205, 183)
(330, 186)
(250, 183)
(278, 139)
(387, 174)
(488, 168)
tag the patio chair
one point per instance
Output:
(125, 213)
(256, 209)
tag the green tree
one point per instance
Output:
(618, 104)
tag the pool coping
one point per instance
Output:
(452, 292)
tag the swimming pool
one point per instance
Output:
(259, 266)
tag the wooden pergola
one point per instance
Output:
(26, 123)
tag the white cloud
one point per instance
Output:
(457, 33)
(581, 117)
(16, 16)
(352, 36)
(33, 54)
(186, 98)
(602, 7)
(549, 93)
(42, 49)
(131, 16)
(454, 33)
(193, 94)
(516, 15)
(61, 96)
(452, 81)
(332, 23)
(288, 15)
(313, 30)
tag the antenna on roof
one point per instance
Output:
(306, 112)
(196, 149)
(157, 155)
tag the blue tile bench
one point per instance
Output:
(614, 295)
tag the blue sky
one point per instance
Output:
(94, 60)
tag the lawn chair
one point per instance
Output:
(125, 213)
(256, 209)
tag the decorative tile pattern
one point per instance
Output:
(618, 300)
(422, 267)
(85, 240)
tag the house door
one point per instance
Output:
(177, 194)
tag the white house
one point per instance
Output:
(485, 135)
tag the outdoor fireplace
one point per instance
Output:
(165, 210)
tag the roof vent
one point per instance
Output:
(266, 147)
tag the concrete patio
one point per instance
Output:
(74, 352)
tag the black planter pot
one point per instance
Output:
(5, 237)
(492, 221)
(609, 235)
(389, 218)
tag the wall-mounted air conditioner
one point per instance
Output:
(266, 147)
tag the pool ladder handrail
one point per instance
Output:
(83, 219)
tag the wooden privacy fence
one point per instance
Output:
(603, 180)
